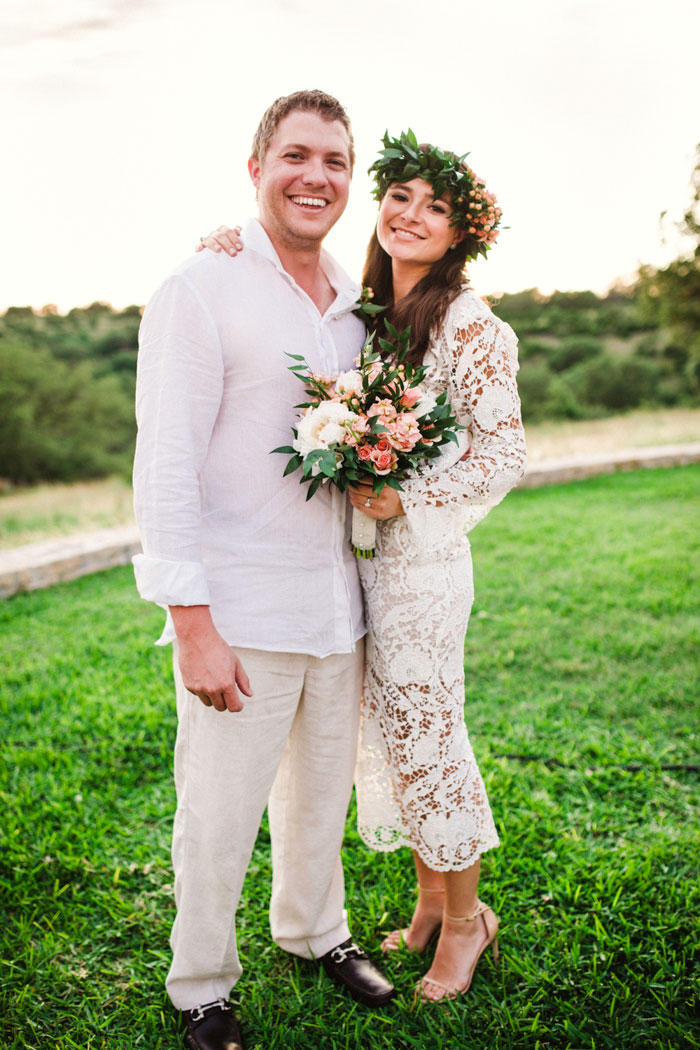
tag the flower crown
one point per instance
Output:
(474, 208)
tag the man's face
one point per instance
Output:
(303, 181)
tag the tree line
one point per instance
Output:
(67, 381)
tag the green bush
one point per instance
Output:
(60, 422)
(529, 349)
(573, 350)
(546, 395)
(616, 383)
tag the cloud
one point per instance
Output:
(37, 21)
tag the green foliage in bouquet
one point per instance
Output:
(382, 425)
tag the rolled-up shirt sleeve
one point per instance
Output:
(178, 395)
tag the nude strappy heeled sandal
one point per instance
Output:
(490, 938)
(397, 938)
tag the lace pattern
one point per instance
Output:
(418, 783)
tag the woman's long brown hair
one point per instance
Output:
(425, 306)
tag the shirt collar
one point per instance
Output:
(254, 237)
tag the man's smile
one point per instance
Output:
(309, 202)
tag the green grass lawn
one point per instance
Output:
(582, 655)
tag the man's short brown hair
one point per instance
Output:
(327, 107)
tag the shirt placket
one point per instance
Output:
(341, 594)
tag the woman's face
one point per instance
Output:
(413, 226)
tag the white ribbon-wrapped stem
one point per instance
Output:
(364, 534)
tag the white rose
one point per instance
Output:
(331, 434)
(322, 426)
(349, 383)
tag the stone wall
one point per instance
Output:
(43, 564)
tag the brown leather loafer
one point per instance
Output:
(351, 967)
(212, 1026)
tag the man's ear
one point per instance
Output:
(254, 168)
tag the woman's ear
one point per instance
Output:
(460, 234)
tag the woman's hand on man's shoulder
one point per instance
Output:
(223, 239)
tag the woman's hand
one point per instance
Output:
(385, 505)
(225, 238)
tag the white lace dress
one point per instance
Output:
(417, 780)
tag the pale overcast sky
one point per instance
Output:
(127, 125)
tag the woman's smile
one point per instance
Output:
(414, 225)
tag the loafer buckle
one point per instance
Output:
(340, 954)
(200, 1012)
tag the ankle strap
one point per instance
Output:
(468, 918)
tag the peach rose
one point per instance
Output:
(410, 397)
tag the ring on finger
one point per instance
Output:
(368, 502)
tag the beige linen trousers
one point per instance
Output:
(292, 748)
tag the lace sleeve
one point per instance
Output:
(478, 361)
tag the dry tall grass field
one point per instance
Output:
(639, 429)
(42, 512)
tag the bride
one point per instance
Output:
(417, 781)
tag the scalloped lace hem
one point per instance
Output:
(434, 864)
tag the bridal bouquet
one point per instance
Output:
(374, 422)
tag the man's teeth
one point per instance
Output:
(315, 202)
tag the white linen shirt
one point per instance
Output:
(220, 525)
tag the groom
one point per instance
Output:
(265, 611)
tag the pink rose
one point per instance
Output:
(410, 397)
(364, 452)
(382, 461)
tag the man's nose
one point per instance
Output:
(314, 172)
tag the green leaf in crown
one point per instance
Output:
(474, 208)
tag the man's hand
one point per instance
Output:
(209, 667)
